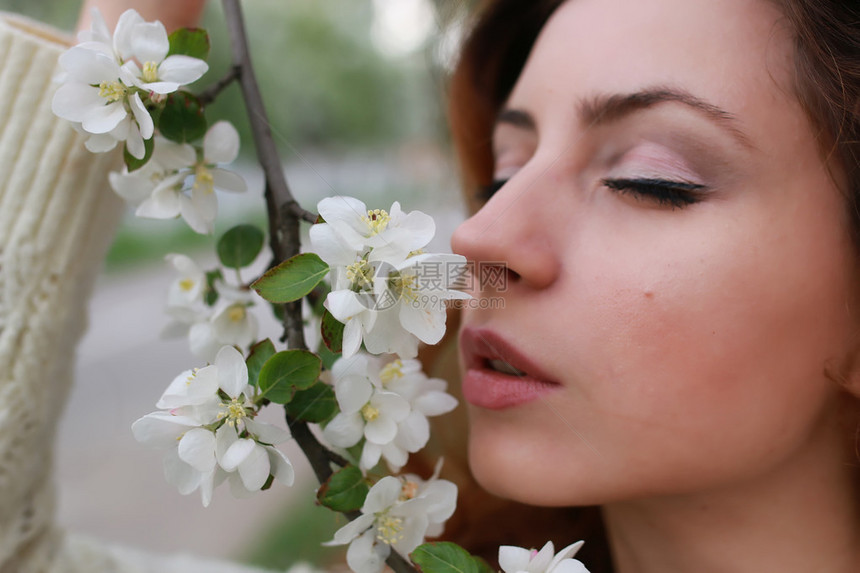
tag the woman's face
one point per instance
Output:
(679, 268)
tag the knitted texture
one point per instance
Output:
(57, 216)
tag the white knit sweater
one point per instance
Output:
(57, 217)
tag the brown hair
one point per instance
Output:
(827, 84)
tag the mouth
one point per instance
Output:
(498, 375)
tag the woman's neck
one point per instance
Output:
(801, 517)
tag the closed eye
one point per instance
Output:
(660, 192)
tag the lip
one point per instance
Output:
(493, 390)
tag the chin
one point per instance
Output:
(507, 463)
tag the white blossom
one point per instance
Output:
(151, 69)
(366, 410)
(208, 326)
(188, 288)
(351, 229)
(394, 515)
(96, 94)
(387, 405)
(210, 438)
(519, 560)
(189, 190)
(230, 324)
(107, 81)
(167, 161)
(385, 290)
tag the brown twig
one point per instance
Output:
(208, 95)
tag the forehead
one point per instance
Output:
(733, 53)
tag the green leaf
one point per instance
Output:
(260, 353)
(182, 119)
(132, 162)
(292, 279)
(286, 372)
(446, 557)
(192, 42)
(316, 404)
(239, 246)
(332, 332)
(345, 490)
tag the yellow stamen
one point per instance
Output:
(388, 529)
(112, 91)
(391, 371)
(360, 274)
(377, 220)
(408, 491)
(203, 178)
(186, 284)
(236, 313)
(405, 287)
(369, 413)
(190, 378)
(150, 72)
(234, 411)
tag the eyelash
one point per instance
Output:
(663, 192)
(486, 191)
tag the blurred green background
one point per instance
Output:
(354, 90)
(355, 93)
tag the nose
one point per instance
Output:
(511, 233)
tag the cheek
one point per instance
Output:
(687, 364)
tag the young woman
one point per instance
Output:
(670, 188)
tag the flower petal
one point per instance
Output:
(281, 467)
(569, 566)
(221, 143)
(513, 559)
(565, 553)
(229, 181)
(434, 403)
(382, 495)
(181, 69)
(141, 115)
(162, 204)
(352, 393)
(160, 429)
(254, 469)
(236, 454)
(267, 433)
(149, 42)
(345, 430)
(413, 433)
(124, 33)
(232, 371)
(370, 455)
(425, 323)
(352, 529)
(200, 210)
(381, 431)
(104, 119)
(197, 449)
(364, 555)
(179, 474)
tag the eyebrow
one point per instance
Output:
(603, 109)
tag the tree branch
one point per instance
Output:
(284, 233)
(208, 95)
